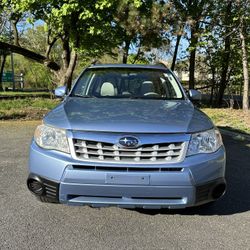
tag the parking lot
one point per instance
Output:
(26, 223)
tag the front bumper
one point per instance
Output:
(189, 183)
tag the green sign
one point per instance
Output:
(7, 77)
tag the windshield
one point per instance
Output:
(127, 83)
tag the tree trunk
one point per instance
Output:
(49, 47)
(212, 88)
(178, 39)
(15, 32)
(66, 78)
(125, 53)
(193, 44)
(225, 57)
(137, 56)
(225, 66)
(66, 55)
(3, 60)
(245, 103)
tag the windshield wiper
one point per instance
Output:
(148, 97)
(154, 98)
(82, 96)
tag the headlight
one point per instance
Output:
(204, 142)
(51, 138)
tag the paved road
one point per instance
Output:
(27, 224)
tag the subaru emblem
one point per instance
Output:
(129, 142)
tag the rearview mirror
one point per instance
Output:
(194, 95)
(60, 91)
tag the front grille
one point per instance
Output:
(147, 153)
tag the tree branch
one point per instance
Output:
(30, 54)
(49, 47)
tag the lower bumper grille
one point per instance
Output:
(205, 192)
(126, 169)
(50, 189)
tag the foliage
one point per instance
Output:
(142, 25)
(72, 19)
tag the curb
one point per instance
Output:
(236, 135)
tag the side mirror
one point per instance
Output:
(194, 95)
(60, 91)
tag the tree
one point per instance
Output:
(4, 37)
(80, 28)
(141, 24)
(193, 14)
(10, 40)
(177, 22)
(232, 21)
(221, 48)
(244, 11)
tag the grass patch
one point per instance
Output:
(232, 119)
(39, 103)
(16, 93)
(28, 108)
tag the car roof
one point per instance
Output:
(128, 66)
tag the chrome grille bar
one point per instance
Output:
(148, 153)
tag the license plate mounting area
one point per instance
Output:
(127, 179)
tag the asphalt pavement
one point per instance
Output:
(25, 223)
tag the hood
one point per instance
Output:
(128, 116)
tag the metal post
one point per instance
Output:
(12, 68)
(22, 81)
(12, 61)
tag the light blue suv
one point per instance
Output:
(127, 136)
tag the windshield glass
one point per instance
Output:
(127, 83)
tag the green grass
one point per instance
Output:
(28, 103)
(11, 93)
(28, 108)
(230, 119)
